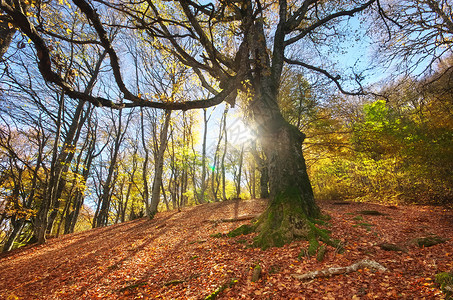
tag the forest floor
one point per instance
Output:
(176, 256)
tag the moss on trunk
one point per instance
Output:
(285, 221)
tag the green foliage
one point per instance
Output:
(370, 213)
(217, 235)
(242, 230)
(429, 241)
(445, 280)
(256, 273)
(313, 246)
(321, 253)
(358, 218)
(397, 150)
(220, 289)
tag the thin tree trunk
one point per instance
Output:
(203, 158)
(86, 171)
(145, 165)
(104, 205)
(159, 166)
(238, 183)
(17, 224)
(184, 177)
(193, 168)
(225, 149)
(215, 175)
(253, 180)
(61, 160)
(17, 228)
(41, 221)
(164, 194)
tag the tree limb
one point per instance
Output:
(335, 79)
(323, 21)
(45, 67)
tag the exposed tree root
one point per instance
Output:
(391, 247)
(221, 288)
(232, 220)
(429, 241)
(370, 213)
(256, 273)
(364, 263)
(172, 282)
(132, 286)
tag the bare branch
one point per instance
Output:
(323, 21)
(93, 16)
(335, 79)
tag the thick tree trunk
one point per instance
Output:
(262, 168)
(287, 169)
(292, 202)
(264, 181)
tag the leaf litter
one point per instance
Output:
(186, 255)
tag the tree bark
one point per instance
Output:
(291, 196)
(17, 224)
(225, 149)
(264, 176)
(292, 203)
(6, 34)
(17, 228)
(101, 219)
(202, 196)
(145, 163)
(238, 182)
(78, 202)
(159, 166)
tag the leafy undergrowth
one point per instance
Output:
(183, 256)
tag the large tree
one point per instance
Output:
(232, 47)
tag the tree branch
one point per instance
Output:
(297, 17)
(335, 79)
(45, 67)
(92, 15)
(214, 55)
(323, 21)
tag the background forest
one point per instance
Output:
(105, 166)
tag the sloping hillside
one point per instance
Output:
(181, 255)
